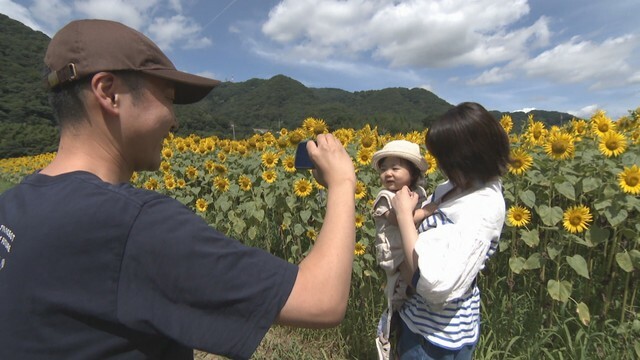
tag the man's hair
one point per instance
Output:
(67, 102)
(469, 145)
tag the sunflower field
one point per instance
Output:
(564, 283)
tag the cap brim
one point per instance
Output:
(189, 88)
(419, 162)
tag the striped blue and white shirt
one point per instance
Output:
(452, 247)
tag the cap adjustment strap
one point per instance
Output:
(66, 74)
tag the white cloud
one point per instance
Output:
(491, 76)
(584, 113)
(406, 33)
(525, 110)
(179, 30)
(131, 13)
(19, 13)
(601, 64)
(51, 12)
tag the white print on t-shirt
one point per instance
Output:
(6, 239)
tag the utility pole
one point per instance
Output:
(233, 130)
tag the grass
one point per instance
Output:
(5, 185)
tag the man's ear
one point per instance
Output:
(105, 91)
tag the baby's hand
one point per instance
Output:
(430, 208)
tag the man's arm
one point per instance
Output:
(321, 290)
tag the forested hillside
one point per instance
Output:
(232, 109)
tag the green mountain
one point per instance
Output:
(232, 109)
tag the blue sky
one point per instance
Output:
(573, 56)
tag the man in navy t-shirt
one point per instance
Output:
(93, 268)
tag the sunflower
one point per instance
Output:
(364, 156)
(601, 124)
(151, 184)
(302, 187)
(612, 144)
(521, 161)
(245, 183)
(433, 163)
(359, 221)
(282, 142)
(169, 183)
(320, 127)
(635, 136)
(165, 166)
(283, 131)
(506, 122)
(134, 177)
(318, 185)
(311, 234)
(579, 127)
(242, 149)
(288, 163)
(181, 146)
(181, 183)
(296, 136)
(629, 180)
(201, 205)
(220, 169)
(414, 137)
(576, 219)
(359, 250)
(269, 159)
(167, 153)
(191, 172)
(221, 183)
(361, 189)
(536, 133)
(518, 216)
(344, 135)
(221, 156)
(560, 146)
(368, 141)
(269, 176)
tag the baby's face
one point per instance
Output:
(395, 173)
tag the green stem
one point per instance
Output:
(624, 298)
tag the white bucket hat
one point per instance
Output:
(403, 149)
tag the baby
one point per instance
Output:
(399, 164)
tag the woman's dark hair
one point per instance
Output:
(469, 145)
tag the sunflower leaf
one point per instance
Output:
(635, 258)
(305, 215)
(615, 215)
(252, 232)
(597, 234)
(579, 264)
(528, 197)
(516, 264)
(530, 237)
(624, 261)
(553, 251)
(566, 189)
(559, 290)
(549, 215)
(533, 262)
(583, 313)
(590, 184)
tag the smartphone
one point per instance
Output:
(302, 160)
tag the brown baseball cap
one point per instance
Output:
(85, 47)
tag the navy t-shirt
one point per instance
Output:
(90, 270)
